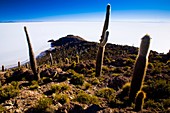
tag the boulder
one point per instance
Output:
(117, 82)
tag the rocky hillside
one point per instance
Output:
(69, 84)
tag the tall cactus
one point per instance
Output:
(3, 68)
(77, 59)
(139, 101)
(27, 65)
(19, 64)
(103, 41)
(140, 68)
(33, 62)
(51, 59)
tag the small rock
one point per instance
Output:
(93, 109)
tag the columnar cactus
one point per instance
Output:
(77, 59)
(19, 64)
(140, 68)
(27, 65)
(33, 62)
(139, 101)
(103, 41)
(100, 55)
(51, 59)
(3, 68)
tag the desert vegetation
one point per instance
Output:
(64, 79)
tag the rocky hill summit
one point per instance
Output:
(66, 40)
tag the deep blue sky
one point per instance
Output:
(31, 10)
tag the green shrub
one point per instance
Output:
(90, 71)
(61, 98)
(46, 79)
(129, 62)
(151, 104)
(105, 68)
(126, 68)
(156, 70)
(86, 86)
(150, 66)
(60, 87)
(43, 103)
(115, 103)
(107, 93)
(166, 103)
(85, 98)
(55, 87)
(34, 82)
(8, 91)
(157, 89)
(115, 74)
(95, 81)
(34, 85)
(15, 84)
(118, 70)
(125, 91)
(73, 65)
(168, 62)
(2, 109)
(93, 74)
(77, 79)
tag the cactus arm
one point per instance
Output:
(106, 23)
(139, 101)
(103, 43)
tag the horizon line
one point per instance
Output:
(124, 21)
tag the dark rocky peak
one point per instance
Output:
(66, 40)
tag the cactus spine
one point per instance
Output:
(51, 59)
(3, 68)
(140, 68)
(139, 101)
(31, 55)
(102, 44)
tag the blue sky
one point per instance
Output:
(51, 10)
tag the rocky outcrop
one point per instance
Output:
(117, 82)
(66, 40)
